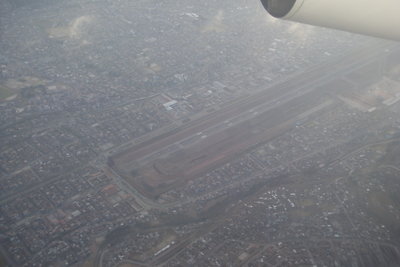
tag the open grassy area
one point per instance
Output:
(5, 92)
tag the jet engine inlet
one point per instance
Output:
(278, 8)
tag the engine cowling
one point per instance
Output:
(379, 18)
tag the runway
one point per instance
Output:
(172, 158)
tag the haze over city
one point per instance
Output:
(194, 133)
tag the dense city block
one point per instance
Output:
(203, 133)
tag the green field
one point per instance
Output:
(5, 92)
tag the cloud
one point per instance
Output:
(75, 29)
(216, 23)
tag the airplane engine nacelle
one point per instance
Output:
(380, 18)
